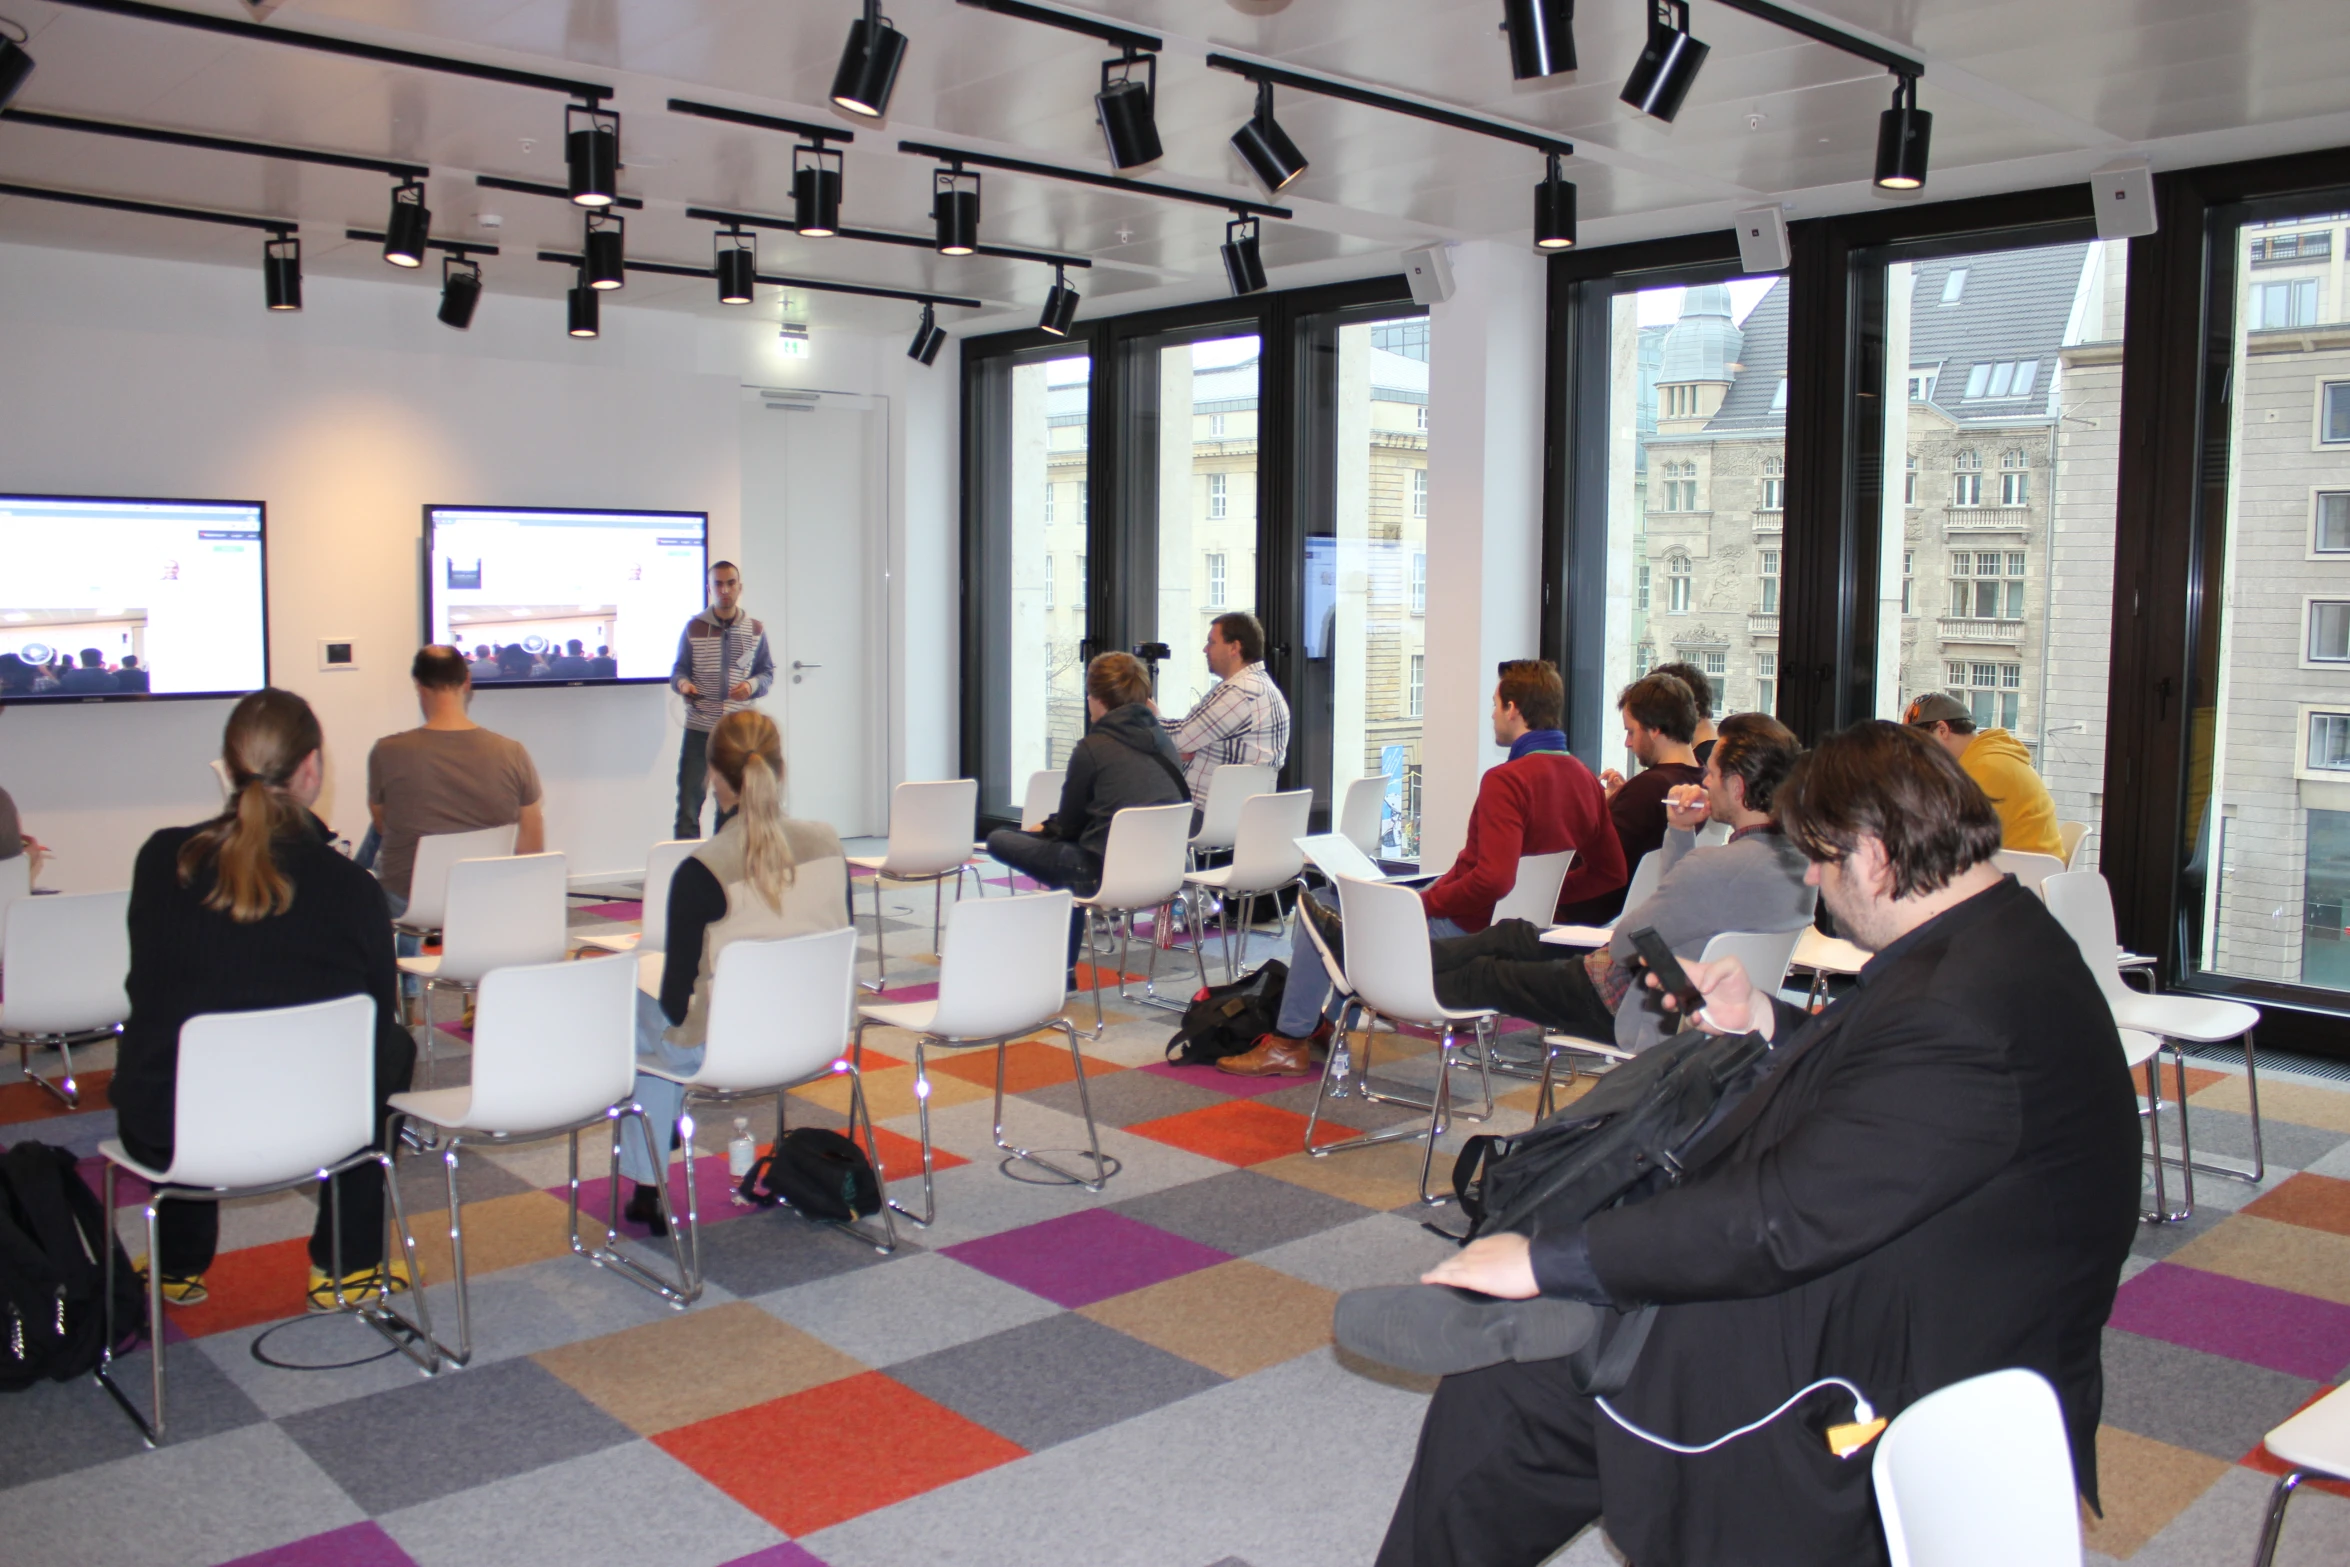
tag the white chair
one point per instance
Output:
(16, 881)
(1824, 955)
(779, 1017)
(1265, 858)
(1041, 800)
(2083, 905)
(2028, 868)
(661, 863)
(428, 879)
(220, 775)
(264, 1101)
(1979, 1472)
(1229, 787)
(66, 959)
(502, 913)
(554, 1053)
(1713, 835)
(2071, 835)
(1535, 894)
(999, 979)
(2315, 1441)
(1363, 811)
(1390, 972)
(929, 840)
(1142, 868)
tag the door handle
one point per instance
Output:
(796, 664)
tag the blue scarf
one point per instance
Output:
(1534, 740)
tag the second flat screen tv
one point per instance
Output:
(548, 597)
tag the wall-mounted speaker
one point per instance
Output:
(1762, 240)
(1429, 271)
(2124, 198)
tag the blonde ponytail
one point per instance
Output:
(268, 735)
(746, 750)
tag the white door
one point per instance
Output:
(812, 552)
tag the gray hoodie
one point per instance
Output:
(1124, 760)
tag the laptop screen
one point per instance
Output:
(1334, 854)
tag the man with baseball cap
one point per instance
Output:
(2000, 767)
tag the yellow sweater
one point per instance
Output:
(2000, 765)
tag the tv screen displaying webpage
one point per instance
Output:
(106, 599)
(547, 597)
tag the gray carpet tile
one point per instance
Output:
(1241, 1211)
(1124, 1098)
(2205, 1403)
(913, 1308)
(766, 1252)
(321, 1341)
(1054, 1379)
(2223, 1525)
(1381, 1248)
(54, 1428)
(2229, 1134)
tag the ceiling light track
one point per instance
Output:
(553, 192)
(1833, 37)
(283, 227)
(351, 48)
(763, 122)
(572, 258)
(455, 247)
(1068, 21)
(253, 149)
(751, 220)
(1054, 171)
(1352, 92)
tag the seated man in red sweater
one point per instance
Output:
(1540, 801)
(1660, 718)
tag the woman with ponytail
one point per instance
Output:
(763, 877)
(255, 909)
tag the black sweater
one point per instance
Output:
(186, 959)
(1124, 760)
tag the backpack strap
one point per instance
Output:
(1173, 772)
(1605, 1370)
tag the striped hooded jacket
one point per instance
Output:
(717, 655)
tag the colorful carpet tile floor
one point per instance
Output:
(1044, 1377)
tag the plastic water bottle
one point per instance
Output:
(1340, 1062)
(741, 1151)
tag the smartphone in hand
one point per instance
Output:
(1668, 970)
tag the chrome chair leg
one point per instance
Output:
(65, 1089)
(1102, 1169)
(1438, 1103)
(1093, 966)
(2229, 1169)
(2272, 1526)
(2163, 1213)
(105, 1370)
(880, 979)
(678, 1291)
(922, 1113)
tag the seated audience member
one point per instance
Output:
(1935, 1178)
(45, 678)
(571, 664)
(1244, 718)
(514, 662)
(604, 666)
(132, 676)
(450, 775)
(1540, 801)
(17, 678)
(1754, 882)
(255, 909)
(1701, 739)
(14, 840)
(762, 877)
(92, 679)
(2000, 767)
(1124, 760)
(484, 665)
(1659, 717)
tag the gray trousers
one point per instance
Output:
(693, 781)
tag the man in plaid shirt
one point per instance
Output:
(1244, 719)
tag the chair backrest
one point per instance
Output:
(1979, 1472)
(16, 881)
(553, 1043)
(930, 826)
(1361, 813)
(67, 959)
(1043, 797)
(2030, 869)
(1229, 786)
(1535, 895)
(661, 863)
(1646, 877)
(1713, 835)
(428, 882)
(1006, 964)
(779, 1010)
(265, 1096)
(220, 775)
(1142, 864)
(1330, 963)
(1265, 854)
(2083, 905)
(1765, 955)
(503, 912)
(1387, 958)
(2071, 835)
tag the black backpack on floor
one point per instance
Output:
(818, 1173)
(1228, 1020)
(52, 1278)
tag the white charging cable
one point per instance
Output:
(1862, 1414)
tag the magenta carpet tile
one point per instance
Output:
(713, 1190)
(628, 909)
(1085, 1257)
(784, 1555)
(2295, 1334)
(360, 1545)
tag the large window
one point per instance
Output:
(1207, 498)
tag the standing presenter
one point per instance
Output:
(723, 666)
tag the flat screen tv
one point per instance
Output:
(131, 600)
(563, 597)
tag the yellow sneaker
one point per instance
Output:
(178, 1289)
(358, 1285)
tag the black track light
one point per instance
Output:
(460, 290)
(1127, 107)
(815, 190)
(404, 231)
(591, 146)
(737, 265)
(586, 309)
(1242, 264)
(15, 66)
(1266, 148)
(1668, 64)
(1542, 36)
(954, 208)
(281, 272)
(929, 338)
(1903, 132)
(1060, 306)
(1554, 210)
(604, 251)
(869, 64)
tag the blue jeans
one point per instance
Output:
(405, 943)
(661, 1098)
(1306, 996)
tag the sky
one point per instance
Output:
(1662, 306)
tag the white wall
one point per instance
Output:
(131, 377)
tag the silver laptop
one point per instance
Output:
(1335, 855)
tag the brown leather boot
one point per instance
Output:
(1275, 1055)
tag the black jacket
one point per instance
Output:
(1124, 760)
(335, 941)
(1940, 1180)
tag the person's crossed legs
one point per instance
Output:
(1507, 1470)
(1050, 862)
